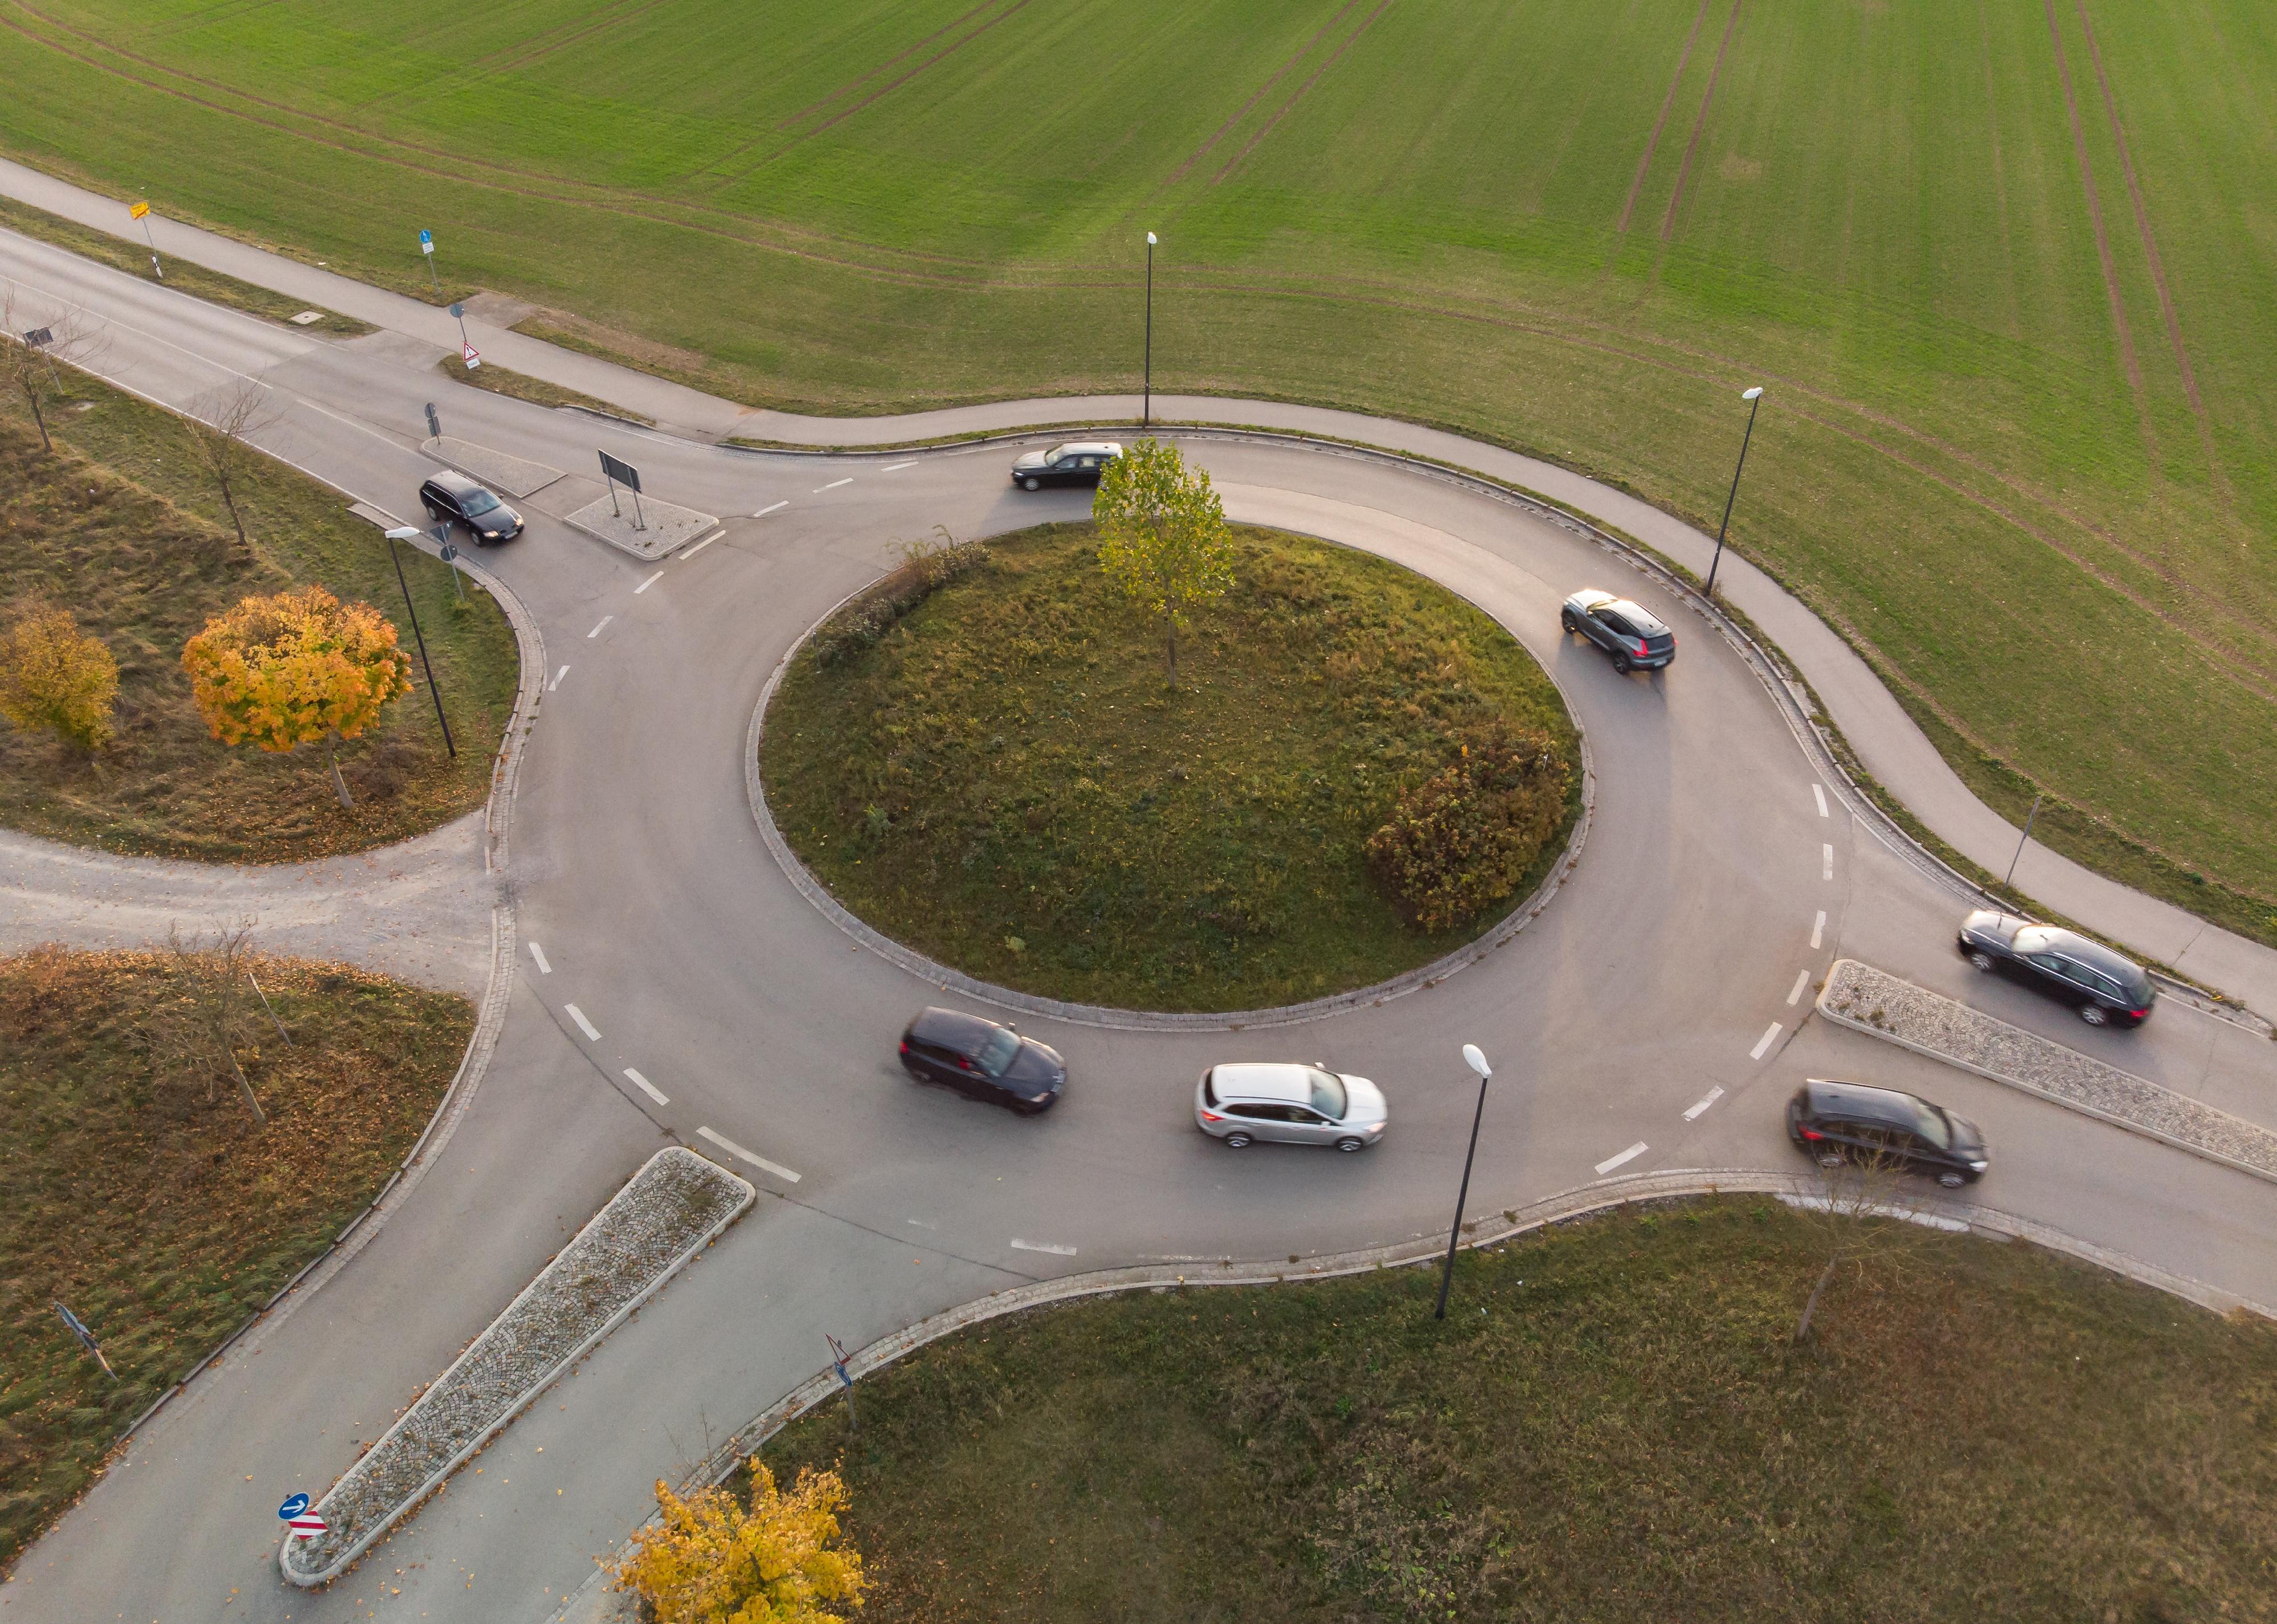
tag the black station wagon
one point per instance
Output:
(1837, 1122)
(1076, 465)
(980, 1058)
(2107, 988)
(453, 498)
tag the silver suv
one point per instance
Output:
(1291, 1103)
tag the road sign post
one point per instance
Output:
(73, 1323)
(427, 247)
(141, 211)
(620, 472)
(838, 1363)
(451, 556)
(434, 422)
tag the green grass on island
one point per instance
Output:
(121, 527)
(1005, 781)
(162, 1217)
(1612, 1424)
(2003, 267)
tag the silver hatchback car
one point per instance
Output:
(1291, 1103)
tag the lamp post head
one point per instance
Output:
(1477, 1061)
(1150, 240)
(1754, 393)
(405, 532)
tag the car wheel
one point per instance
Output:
(1983, 961)
(2094, 1015)
(1830, 1158)
(1031, 484)
(1236, 1141)
(1950, 1179)
(1349, 1144)
(1566, 619)
(1621, 664)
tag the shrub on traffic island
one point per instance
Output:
(1460, 841)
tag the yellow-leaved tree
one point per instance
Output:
(55, 679)
(710, 1562)
(295, 668)
(1163, 537)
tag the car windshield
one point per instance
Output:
(1057, 452)
(1328, 1096)
(1929, 1122)
(997, 1051)
(480, 502)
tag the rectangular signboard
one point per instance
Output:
(624, 473)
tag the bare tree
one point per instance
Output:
(207, 1015)
(1861, 1207)
(221, 427)
(32, 359)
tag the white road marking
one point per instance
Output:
(1630, 1155)
(896, 468)
(646, 1087)
(539, 954)
(1818, 930)
(733, 1149)
(700, 546)
(1826, 862)
(1819, 790)
(921, 1223)
(834, 484)
(583, 1025)
(1705, 1100)
(764, 512)
(659, 576)
(556, 682)
(1801, 981)
(1043, 1245)
(597, 630)
(1766, 1041)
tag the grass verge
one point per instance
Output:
(120, 527)
(1612, 1423)
(1005, 781)
(160, 1215)
(536, 390)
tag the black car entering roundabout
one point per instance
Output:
(1077, 463)
(453, 498)
(978, 1057)
(2107, 988)
(1837, 1122)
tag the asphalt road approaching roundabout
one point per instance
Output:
(672, 983)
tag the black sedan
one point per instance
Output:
(1079, 463)
(1837, 1122)
(2107, 988)
(453, 498)
(1627, 631)
(980, 1058)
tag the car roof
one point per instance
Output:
(456, 483)
(2071, 944)
(954, 1027)
(1644, 620)
(1589, 597)
(1089, 448)
(1283, 1082)
(1830, 1096)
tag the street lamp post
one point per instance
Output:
(409, 533)
(1477, 1061)
(1147, 405)
(1754, 399)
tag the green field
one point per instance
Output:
(2021, 441)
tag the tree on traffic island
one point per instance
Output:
(1163, 537)
(709, 1560)
(55, 679)
(295, 668)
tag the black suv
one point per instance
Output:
(1856, 1122)
(1076, 465)
(985, 1060)
(453, 498)
(1625, 631)
(2106, 987)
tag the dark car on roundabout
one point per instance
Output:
(979, 1058)
(453, 498)
(1626, 630)
(1079, 462)
(2107, 988)
(1835, 1122)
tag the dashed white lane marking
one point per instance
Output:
(778, 507)
(1819, 790)
(556, 682)
(733, 1149)
(1705, 1100)
(539, 954)
(1043, 1245)
(659, 576)
(1766, 1041)
(597, 630)
(1801, 981)
(1818, 930)
(646, 1087)
(896, 468)
(834, 484)
(921, 1223)
(1826, 862)
(700, 546)
(1630, 1155)
(583, 1025)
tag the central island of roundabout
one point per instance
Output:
(1340, 782)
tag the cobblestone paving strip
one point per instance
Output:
(666, 1213)
(1879, 1004)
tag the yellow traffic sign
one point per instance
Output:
(139, 210)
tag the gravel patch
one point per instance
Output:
(662, 527)
(1871, 1001)
(666, 1213)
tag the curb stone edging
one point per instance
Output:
(949, 979)
(503, 1333)
(590, 1604)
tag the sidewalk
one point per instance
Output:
(1891, 748)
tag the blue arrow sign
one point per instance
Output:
(426, 240)
(292, 1507)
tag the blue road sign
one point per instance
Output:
(426, 243)
(294, 1505)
